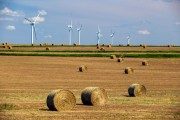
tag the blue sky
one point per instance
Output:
(153, 22)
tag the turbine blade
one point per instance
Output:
(28, 20)
(36, 18)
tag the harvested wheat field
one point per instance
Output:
(25, 83)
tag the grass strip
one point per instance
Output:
(89, 55)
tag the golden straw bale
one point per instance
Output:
(61, 100)
(144, 46)
(102, 49)
(9, 47)
(113, 56)
(47, 49)
(98, 46)
(120, 60)
(109, 46)
(137, 90)
(145, 63)
(128, 70)
(169, 46)
(129, 45)
(82, 68)
(94, 96)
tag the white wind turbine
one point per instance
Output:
(99, 35)
(70, 32)
(79, 34)
(128, 39)
(33, 31)
(112, 37)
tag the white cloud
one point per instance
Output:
(177, 23)
(10, 27)
(42, 12)
(7, 11)
(48, 36)
(144, 32)
(6, 19)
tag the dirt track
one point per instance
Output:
(25, 83)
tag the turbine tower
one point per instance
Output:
(112, 37)
(99, 35)
(79, 34)
(33, 31)
(128, 39)
(70, 32)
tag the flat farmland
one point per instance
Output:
(25, 82)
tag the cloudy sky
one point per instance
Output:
(154, 22)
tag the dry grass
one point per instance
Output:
(26, 82)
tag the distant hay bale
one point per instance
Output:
(5, 46)
(113, 56)
(102, 49)
(120, 60)
(169, 46)
(9, 47)
(145, 63)
(109, 46)
(137, 90)
(74, 44)
(98, 46)
(40, 44)
(144, 46)
(141, 45)
(3, 43)
(128, 70)
(103, 45)
(61, 100)
(129, 45)
(32, 45)
(94, 96)
(52, 44)
(82, 68)
(47, 49)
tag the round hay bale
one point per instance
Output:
(94, 96)
(137, 90)
(144, 46)
(9, 47)
(129, 45)
(82, 68)
(61, 100)
(109, 46)
(98, 46)
(47, 49)
(128, 70)
(120, 60)
(52, 44)
(40, 44)
(5, 46)
(169, 46)
(145, 63)
(102, 49)
(74, 44)
(113, 56)
(103, 45)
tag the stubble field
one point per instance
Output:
(26, 81)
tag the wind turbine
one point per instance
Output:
(112, 37)
(99, 35)
(128, 39)
(33, 31)
(70, 32)
(79, 34)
